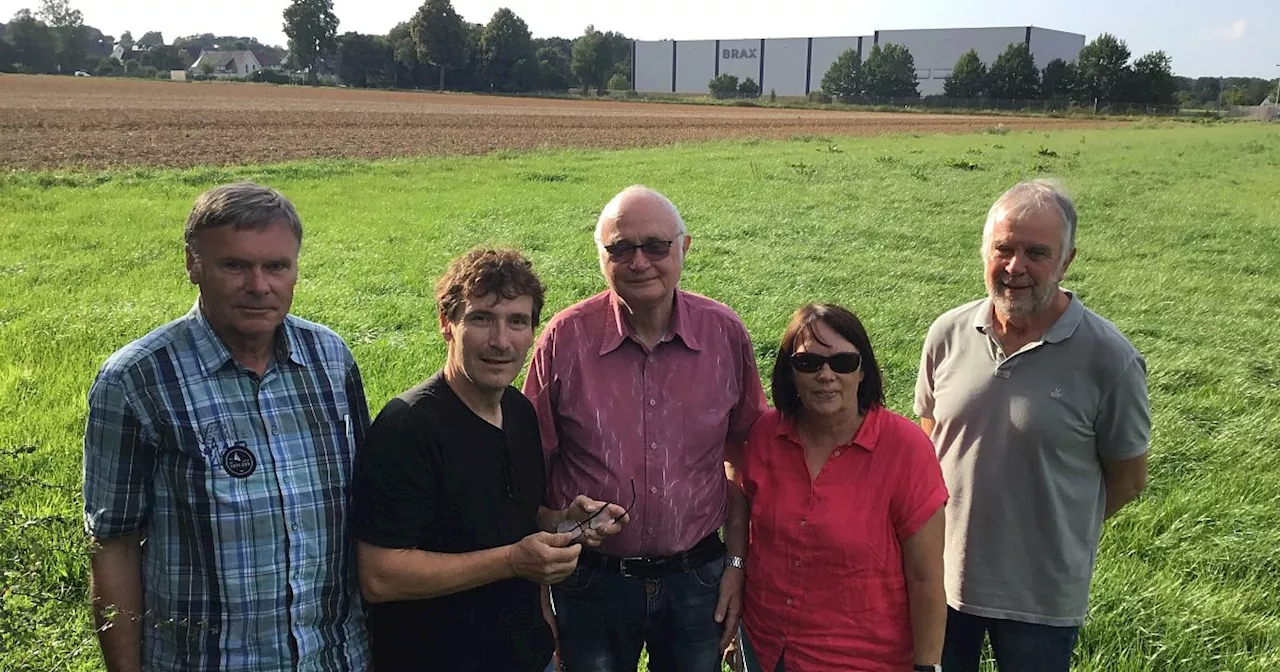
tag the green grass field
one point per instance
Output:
(1179, 245)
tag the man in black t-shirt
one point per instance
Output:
(453, 540)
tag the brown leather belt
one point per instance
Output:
(710, 548)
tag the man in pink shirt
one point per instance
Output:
(642, 393)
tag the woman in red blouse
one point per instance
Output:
(844, 570)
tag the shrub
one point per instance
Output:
(749, 89)
(723, 86)
(619, 82)
(271, 77)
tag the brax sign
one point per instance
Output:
(739, 53)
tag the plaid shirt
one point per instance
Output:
(241, 487)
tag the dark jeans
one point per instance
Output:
(605, 619)
(1019, 647)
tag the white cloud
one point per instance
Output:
(1230, 33)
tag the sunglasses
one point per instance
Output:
(654, 250)
(842, 362)
(582, 527)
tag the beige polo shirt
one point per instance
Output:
(1019, 436)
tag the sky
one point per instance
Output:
(1204, 38)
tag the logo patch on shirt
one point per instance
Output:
(238, 461)
(1056, 393)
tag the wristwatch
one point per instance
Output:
(735, 561)
(926, 668)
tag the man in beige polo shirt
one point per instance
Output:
(1038, 409)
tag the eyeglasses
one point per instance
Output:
(841, 362)
(582, 527)
(654, 250)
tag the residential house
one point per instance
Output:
(223, 64)
(121, 54)
(269, 60)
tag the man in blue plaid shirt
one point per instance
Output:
(217, 466)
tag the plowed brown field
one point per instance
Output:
(50, 122)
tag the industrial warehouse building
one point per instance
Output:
(795, 66)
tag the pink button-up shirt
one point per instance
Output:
(610, 411)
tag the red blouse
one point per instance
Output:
(825, 581)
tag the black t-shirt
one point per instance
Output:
(434, 476)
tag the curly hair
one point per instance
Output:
(484, 272)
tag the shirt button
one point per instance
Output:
(788, 600)
(803, 523)
(653, 446)
(797, 563)
(652, 360)
(286, 479)
(837, 453)
(653, 402)
(294, 527)
(654, 489)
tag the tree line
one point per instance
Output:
(1102, 73)
(436, 48)
(55, 39)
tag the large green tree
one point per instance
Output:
(8, 56)
(507, 60)
(151, 38)
(312, 28)
(1014, 75)
(1101, 69)
(97, 44)
(164, 57)
(554, 73)
(1058, 80)
(1153, 81)
(365, 60)
(890, 72)
(126, 40)
(69, 32)
(593, 59)
(34, 45)
(968, 78)
(440, 37)
(619, 47)
(843, 80)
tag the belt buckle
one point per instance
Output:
(622, 566)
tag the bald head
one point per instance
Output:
(642, 244)
(639, 202)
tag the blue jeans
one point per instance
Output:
(1019, 647)
(606, 618)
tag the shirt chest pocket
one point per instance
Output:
(704, 427)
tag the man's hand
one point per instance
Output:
(729, 608)
(543, 557)
(600, 524)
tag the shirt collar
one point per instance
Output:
(1061, 330)
(618, 330)
(214, 354)
(867, 437)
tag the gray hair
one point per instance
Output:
(639, 190)
(1026, 198)
(242, 206)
